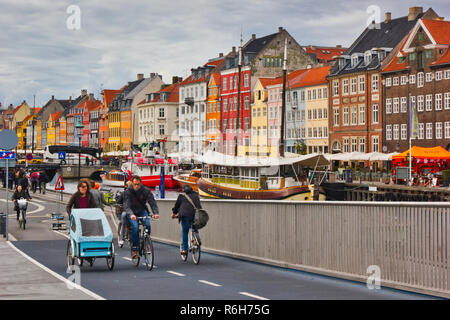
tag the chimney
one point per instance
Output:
(53, 97)
(91, 97)
(70, 98)
(233, 49)
(140, 76)
(83, 92)
(220, 55)
(175, 79)
(414, 12)
(338, 46)
(253, 36)
(280, 29)
(387, 17)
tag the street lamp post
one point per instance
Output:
(79, 128)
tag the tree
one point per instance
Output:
(300, 147)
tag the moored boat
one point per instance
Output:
(190, 178)
(249, 178)
(115, 178)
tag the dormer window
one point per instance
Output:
(341, 62)
(354, 61)
(367, 57)
(381, 55)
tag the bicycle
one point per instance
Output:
(145, 246)
(194, 246)
(22, 205)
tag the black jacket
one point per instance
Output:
(74, 201)
(17, 195)
(184, 208)
(134, 201)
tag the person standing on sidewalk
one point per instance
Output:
(34, 177)
(43, 179)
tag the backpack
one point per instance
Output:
(201, 217)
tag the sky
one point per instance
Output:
(58, 47)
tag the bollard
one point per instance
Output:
(3, 224)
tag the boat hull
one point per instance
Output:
(186, 179)
(212, 190)
(153, 181)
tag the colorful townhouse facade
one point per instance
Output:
(356, 95)
(419, 76)
(213, 136)
(108, 96)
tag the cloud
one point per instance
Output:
(40, 56)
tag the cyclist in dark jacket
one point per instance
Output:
(185, 212)
(135, 199)
(19, 193)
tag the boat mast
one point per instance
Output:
(283, 102)
(238, 121)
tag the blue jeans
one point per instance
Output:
(186, 223)
(124, 224)
(135, 228)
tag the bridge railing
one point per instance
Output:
(408, 242)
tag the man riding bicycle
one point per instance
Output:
(135, 199)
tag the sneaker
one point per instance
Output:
(121, 242)
(183, 252)
(134, 255)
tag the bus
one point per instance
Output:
(51, 154)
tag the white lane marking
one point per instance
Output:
(10, 236)
(176, 273)
(72, 284)
(210, 283)
(253, 296)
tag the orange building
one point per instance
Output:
(213, 113)
(108, 96)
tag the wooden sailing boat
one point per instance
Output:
(256, 178)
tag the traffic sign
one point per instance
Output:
(29, 157)
(7, 155)
(59, 184)
(62, 155)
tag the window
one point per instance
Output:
(375, 82)
(309, 114)
(447, 74)
(447, 100)
(388, 82)
(354, 116)
(438, 130)
(412, 78)
(438, 101)
(396, 106)
(224, 84)
(362, 84)
(403, 132)
(354, 61)
(345, 86)
(438, 75)
(245, 80)
(428, 77)
(314, 94)
(225, 105)
(335, 89)
(447, 130)
(354, 145)
(395, 81)
(247, 103)
(362, 144)
(362, 114)
(353, 85)
(375, 113)
(419, 103)
(420, 80)
(335, 117)
(420, 129)
(389, 105)
(161, 129)
(388, 132)
(375, 143)
(309, 95)
(429, 102)
(403, 107)
(161, 112)
(403, 80)
(367, 57)
(345, 143)
(395, 132)
(429, 128)
(345, 116)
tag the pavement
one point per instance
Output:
(23, 278)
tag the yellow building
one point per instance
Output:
(21, 130)
(20, 113)
(51, 130)
(38, 134)
(113, 130)
(125, 129)
(259, 121)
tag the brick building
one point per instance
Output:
(419, 74)
(355, 108)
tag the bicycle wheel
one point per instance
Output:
(195, 247)
(148, 253)
(110, 260)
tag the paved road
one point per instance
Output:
(216, 277)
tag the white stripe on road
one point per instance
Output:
(72, 284)
(176, 273)
(210, 283)
(62, 234)
(253, 296)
